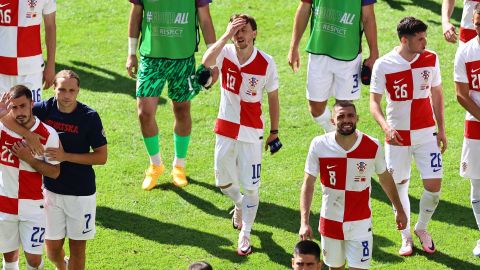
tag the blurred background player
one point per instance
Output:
(467, 84)
(334, 60)
(410, 75)
(71, 198)
(167, 48)
(22, 214)
(467, 28)
(246, 73)
(346, 160)
(306, 256)
(21, 60)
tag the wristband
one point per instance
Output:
(132, 46)
(274, 131)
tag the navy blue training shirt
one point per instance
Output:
(79, 131)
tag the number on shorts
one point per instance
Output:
(333, 177)
(436, 161)
(37, 235)
(355, 80)
(366, 251)
(256, 168)
(87, 220)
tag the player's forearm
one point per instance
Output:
(206, 24)
(50, 37)
(300, 24)
(370, 28)
(210, 57)
(306, 197)
(438, 108)
(376, 111)
(97, 157)
(45, 169)
(11, 124)
(465, 100)
(389, 187)
(447, 10)
(274, 109)
(135, 21)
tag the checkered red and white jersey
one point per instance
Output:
(408, 84)
(240, 113)
(467, 70)
(467, 29)
(20, 42)
(346, 184)
(20, 184)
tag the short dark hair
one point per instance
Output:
(476, 10)
(307, 247)
(248, 19)
(66, 74)
(200, 266)
(20, 91)
(344, 104)
(409, 26)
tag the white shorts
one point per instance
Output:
(469, 164)
(70, 216)
(358, 253)
(328, 77)
(237, 161)
(32, 81)
(29, 232)
(428, 159)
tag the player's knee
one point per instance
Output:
(225, 186)
(250, 192)
(432, 185)
(146, 115)
(34, 261)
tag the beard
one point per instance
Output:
(346, 131)
(22, 119)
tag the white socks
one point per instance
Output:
(428, 204)
(249, 211)
(402, 190)
(233, 192)
(156, 159)
(40, 267)
(325, 121)
(180, 162)
(475, 199)
(10, 265)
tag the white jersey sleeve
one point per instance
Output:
(50, 7)
(271, 83)
(380, 163)
(221, 55)
(53, 141)
(378, 82)
(312, 164)
(437, 77)
(459, 70)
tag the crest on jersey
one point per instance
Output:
(425, 75)
(31, 4)
(361, 167)
(252, 84)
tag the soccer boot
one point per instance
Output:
(476, 250)
(407, 247)
(426, 240)
(179, 176)
(236, 218)
(244, 247)
(151, 176)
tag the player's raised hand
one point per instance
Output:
(234, 26)
(306, 232)
(401, 219)
(393, 137)
(4, 104)
(449, 32)
(34, 143)
(442, 141)
(56, 154)
(132, 66)
(294, 59)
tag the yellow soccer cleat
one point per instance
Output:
(151, 176)
(179, 176)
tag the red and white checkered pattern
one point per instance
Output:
(409, 108)
(20, 184)
(467, 29)
(242, 86)
(346, 183)
(20, 44)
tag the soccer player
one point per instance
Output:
(334, 48)
(21, 60)
(167, 46)
(246, 73)
(467, 29)
(415, 125)
(22, 214)
(346, 160)
(306, 256)
(466, 76)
